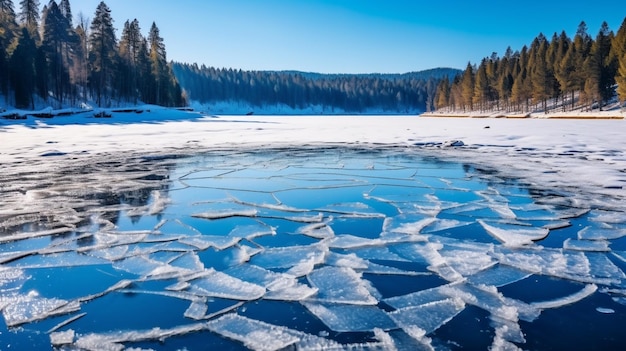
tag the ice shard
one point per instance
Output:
(350, 318)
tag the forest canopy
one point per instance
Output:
(570, 73)
(47, 56)
(352, 93)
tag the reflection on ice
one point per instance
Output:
(352, 249)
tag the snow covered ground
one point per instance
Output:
(590, 154)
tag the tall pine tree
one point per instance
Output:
(102, 53)
(29, 17)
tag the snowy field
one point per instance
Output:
(342, 232)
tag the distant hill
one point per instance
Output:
(436, 73)
(352, 93)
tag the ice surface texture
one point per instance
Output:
(307, 248)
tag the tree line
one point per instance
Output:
(558, 73)
(44, 55)
(352, 93)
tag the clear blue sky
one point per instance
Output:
(352, 36)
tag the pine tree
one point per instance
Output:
(566, 73)
(481, 86)
(158, 62)
(102, 53)
(56, 39)
(521, 90)
(8, 26)
(467, 87)
(22, 69)
(442, 99)
(8, 29)
(66, 11)
(599, 72)
(29, 17)
(539, 74)
(621, 79)
(618, 53)
(130, 44)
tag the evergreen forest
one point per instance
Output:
(352, 93)
(556, 74)
(45, 55)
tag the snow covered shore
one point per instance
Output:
(588, 154)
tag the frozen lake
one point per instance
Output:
(306, 248)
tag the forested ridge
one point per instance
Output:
(353, 93)
(46, 56)
(560, 73)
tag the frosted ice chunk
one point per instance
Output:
(62, 338)
(403, 341)
(586, 245)
(218, 284)
(347, 260)
(178, 286)
(378, 253)
(498, 276)
(287, 257)
(489, 299)
(417, 298)
(252, 231)
(117, 286)
(139, 265)
(467, 262)
(317, 230)
(280, 286)
(203, 242)
(428, 253)
(507, 330)
(444, 224)
(567, 300)
(350, 318)
(410, 224)
(347, 241)
(63, 259)
(515, 236)
(355, 210)
(226, 214)
(502, 209)
(115, 253)
(262, 277)
(341, 285)
(428, 317)
(613, 217)
(373, 268)
(605, 310)
(197, 309)
(189, 261)
(35, 308)
(259, 335)
(593, 233)
(583, 267)
(66, 322)
(11, 279)
(113, 341)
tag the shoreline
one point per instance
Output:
(600, 115)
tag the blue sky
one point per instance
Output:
(352, 36)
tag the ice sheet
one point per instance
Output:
(218, 284)
(427, 317)
(340, 285)
(350, 318)
(567, 300)
(287, 257)
(258, 335)
(515, 236)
